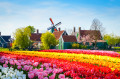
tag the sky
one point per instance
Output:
(71, 13)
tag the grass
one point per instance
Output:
(4, 49)
(117, 48)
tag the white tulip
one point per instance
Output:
(11, 68)
(0, 74)
(3, 76)
(0, 67)
(13, 75)
(5, 71)
(24, 77)
(8, 78)
(19, 77)
(16, 70)
(7, 75)
(21, 72)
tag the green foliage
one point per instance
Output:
(21, 37)
(31, 28)
(3, 49)
(78, 46)
(117, 48)
(111, 39)
(83, 47)
(48, 39)
(75, 46)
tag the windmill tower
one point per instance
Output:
(53, 27)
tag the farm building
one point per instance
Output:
(4, 40)
(35, 37)
(65, 40)
(86, 37)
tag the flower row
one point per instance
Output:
(78, 51)
(73, 69)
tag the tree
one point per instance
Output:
(21, 37)
(97, 30)
(31, 28)
(48, 39)
(111, 39)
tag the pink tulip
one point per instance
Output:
(5, 65)
(41, 69)
(6, 62)
(41, 66)
(35, 64)
(45, 74)
(52, 76)
(31, 75)
(40, 76)
(17, 63)
(31, 68)
(26, 67)
(19, 67)
(61, 76)
(54, 66)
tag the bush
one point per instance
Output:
(117, 48)
(75, 46)
(83, 47)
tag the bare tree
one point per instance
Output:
(69, 31)
(97, 30)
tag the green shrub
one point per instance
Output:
(117, 48)
(75, 46)
(83, 47)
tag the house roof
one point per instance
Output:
(6, 38)
(86, 32)
(58, 34)
(35, 36)
(69, 38)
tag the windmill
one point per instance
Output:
(53, 27)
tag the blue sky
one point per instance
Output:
(79, 13)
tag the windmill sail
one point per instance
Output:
(51, 21)
(58, 24)
(49, 28)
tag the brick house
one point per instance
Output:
(87, 37)
(35, 38)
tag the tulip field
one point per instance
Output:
(60, 64)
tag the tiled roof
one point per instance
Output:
(6, 38)
(58, 34)
(86, 32)
(69, 38)
(35, 36)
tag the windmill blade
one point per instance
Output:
(51, 21)
(58, 24)
(49, 28)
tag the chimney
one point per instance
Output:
(80, 32)
(58, 29)
(0, 33)
(73, 29)
(37, 31)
